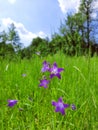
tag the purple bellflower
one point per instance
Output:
(55, 71)
(11, 103)
(44, 83)
(60, 106)
(45, 67)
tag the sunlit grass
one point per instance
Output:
(34, 111)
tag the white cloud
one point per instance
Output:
(67, 5)
(95, 5)
(25, 35)
(11, 1)
(94, 15)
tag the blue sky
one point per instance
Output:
(34, 18)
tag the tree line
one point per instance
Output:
(78, 35)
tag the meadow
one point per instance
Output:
(20, 79)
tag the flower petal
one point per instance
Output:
(62, 111)
(52, 75)
(60, 99)
(55, 65)
(58, 75)
(54, 103)
(57, 109)
(45, 86)
(66, 105)
(60, 69)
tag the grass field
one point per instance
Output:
(78, 85)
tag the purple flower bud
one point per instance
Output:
(73, 107)
(11, 103)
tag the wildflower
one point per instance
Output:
(73, 107)
(55, 71)
(60, 106)
(24, 75)
(45, 67)
(44, 83)
(11, 103)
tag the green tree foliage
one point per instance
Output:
(26, 53)
(13, 37)
(3, 37)
(56, 44)
(9, 42)
(72, 31)
(87, 10)
(78, 29)
(38, 45)
(6, 50)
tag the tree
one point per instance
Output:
(56, 44)
(3, 37)
(87, 9)
(39, 45)
(72, 31)
(79, 29)
(6, 50)
(13, 37)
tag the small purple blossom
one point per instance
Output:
(24, 75)
(44, 83)
(73, 107)
(55, 71)
(60, 106)
(45, 67)
(11, 103)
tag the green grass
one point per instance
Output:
(78, 85)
